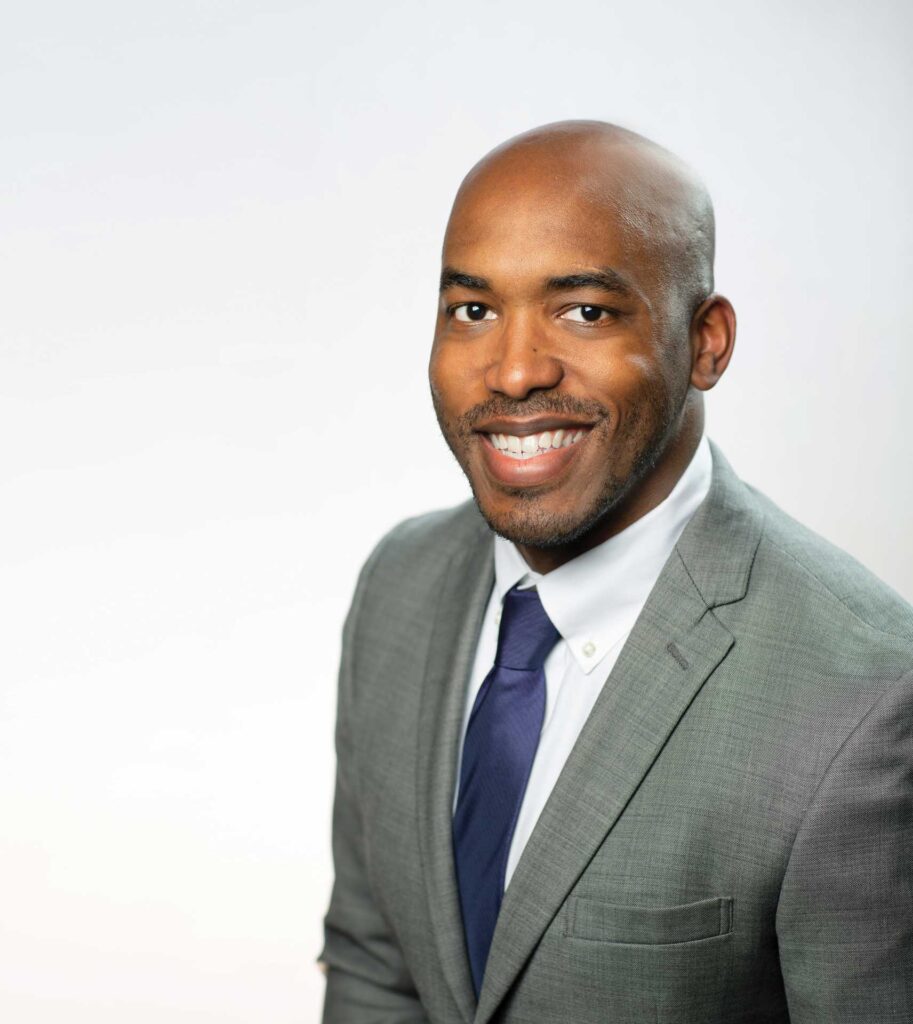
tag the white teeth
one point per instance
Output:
(530, 445)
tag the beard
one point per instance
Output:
(640, 441)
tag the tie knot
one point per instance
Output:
(526, 636)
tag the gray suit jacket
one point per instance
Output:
(731, 838)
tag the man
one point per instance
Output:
(620, 741)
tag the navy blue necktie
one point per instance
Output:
(498, 751)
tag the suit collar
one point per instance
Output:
(718, 545)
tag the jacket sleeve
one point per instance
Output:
(368, 981)
(845, 916)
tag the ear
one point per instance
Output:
(712, 341)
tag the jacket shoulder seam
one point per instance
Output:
(840, 600)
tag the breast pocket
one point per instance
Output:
(653, 926)
(630, 964)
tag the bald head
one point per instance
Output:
(653, 197)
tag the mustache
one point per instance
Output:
(538, 404)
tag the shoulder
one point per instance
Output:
(819, 639)
(815, 579)
(820, 642)
(445, 531)
(400, 586)
(430, 539)
(780, 579)
(411, 559)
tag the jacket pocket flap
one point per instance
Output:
(607, 922)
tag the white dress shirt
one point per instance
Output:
(593, 601)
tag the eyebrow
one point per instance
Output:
(605, 278)
(451, 277)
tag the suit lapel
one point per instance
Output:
(464, 595)
(674, 646)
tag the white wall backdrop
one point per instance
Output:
(218, 253)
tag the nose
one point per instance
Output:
(523, 362)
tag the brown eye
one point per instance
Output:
(472, 312)
(584, 314)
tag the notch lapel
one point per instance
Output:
(465, 592)
(676, 643)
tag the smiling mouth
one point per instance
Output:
(529, 446)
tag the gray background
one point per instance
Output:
(220, 233)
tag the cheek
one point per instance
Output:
(438, 374)
(645, 373)
(623, 378)
(649, 395)
(454, 378)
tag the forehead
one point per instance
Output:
(514, 225)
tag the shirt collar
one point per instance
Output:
(595, 599)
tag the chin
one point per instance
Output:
(528, 524)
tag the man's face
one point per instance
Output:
(560, 363)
